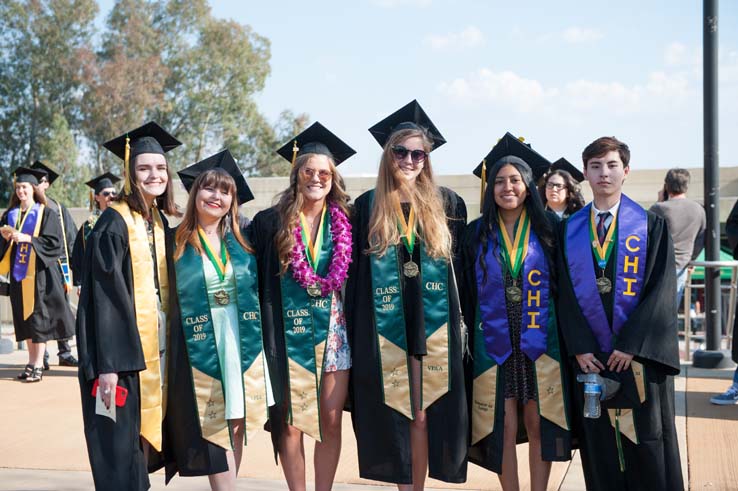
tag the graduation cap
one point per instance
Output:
(563, 164)
(509, 145)
(316, 139)
(149, 138)
(223, 160)
(102, 181)
(48, 172)
(31, 176)
(410, 116)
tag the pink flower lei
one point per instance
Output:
(304, 274)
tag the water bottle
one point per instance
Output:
(592, 393)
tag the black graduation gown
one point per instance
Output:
(260, 233)
(731, 230)
(185, 451)
(383, 434)
(556, 442)
(650, 334)
(78, 252)
(51, 318)
(107, 342)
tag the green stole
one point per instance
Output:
(306, 320)
(199, 334)
(389, 319)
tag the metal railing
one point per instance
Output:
(732, 289)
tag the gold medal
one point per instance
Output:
(410, 269)
(604, 285)
(514, 294)
(314, 290)
(222, 297)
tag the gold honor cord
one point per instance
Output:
(218, 262)
(147, 314)
(602, 251)
(407, 228)
(313, 248)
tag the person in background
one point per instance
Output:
(69, 229)
(685, 220)
(29, 247)
(102, 193)
(560, 190)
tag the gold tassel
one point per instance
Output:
(92, 200)
(484, 185)
(126, 170)
(295, 149)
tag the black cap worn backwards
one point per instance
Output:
(410, 116)
(316, 139)
(31, 176)
(149, 138)
(103, 181)
(49, 173)
(221, 160)
(511, 146)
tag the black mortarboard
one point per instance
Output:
(563, 164)
(316, 139)
(509, 145)
(149, 138)
(50, 173)
(410, 116)
(225, 161)
(102, 181)
(31, 176)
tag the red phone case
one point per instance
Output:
(121, 393)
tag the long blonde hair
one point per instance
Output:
(290, 203)
(187, 230)
(425, 198)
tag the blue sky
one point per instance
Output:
(558, 73)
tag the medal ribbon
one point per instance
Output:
(602, 251)
(406, 228)
(305, 321)
(629, 271)
(219, 263)
(514, 253)
(311, 249)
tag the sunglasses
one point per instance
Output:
(417, 156)
(323, 175)
(109, 193)
(555, 185)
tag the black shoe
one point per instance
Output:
(68, 361)
(25, 373)
(46, 364)
(36, 375)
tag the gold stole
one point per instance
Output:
(152, 387)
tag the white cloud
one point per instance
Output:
(468, 38)
(578, 35)
(389, 4)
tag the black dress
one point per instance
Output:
(518, 369)
(383, 434)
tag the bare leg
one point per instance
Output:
(418, 434)
(226, 480)
(334, 388)
(292, 456)
(36, 353)
(238, 427)
(509, 476)
(539, 469)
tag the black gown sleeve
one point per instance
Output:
(78, 255)
(108, 340)
(70, 229)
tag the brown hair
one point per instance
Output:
(603, 145)
(135, 199)
(187, 230)
(677, 181)
(38, 197)
(425, 198)
(290, 203)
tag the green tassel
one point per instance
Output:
(619, 441)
